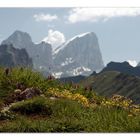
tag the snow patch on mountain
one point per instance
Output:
(57, 74)
(67, 61)
(80, 70)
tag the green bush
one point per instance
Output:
(36, 105)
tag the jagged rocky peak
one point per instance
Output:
(19, 39)
(40, 53)
(118, 64)
(79, 55)
(11, 57)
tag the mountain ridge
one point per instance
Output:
(59, 48)
(109, 83)
(123, 67)
(79, 55)
(38, 52)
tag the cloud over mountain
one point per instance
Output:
(55, 38)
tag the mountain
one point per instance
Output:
(42, 56)
(10, 57)
(41, 53)
(123, 67)
(19, 39)
(138, 64)
(73, 79)
(113, 82)
(78, 56)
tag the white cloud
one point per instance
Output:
(55, 38)
(132, 63)
(96, 14)
(45, 17)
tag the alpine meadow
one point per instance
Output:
(69, 70)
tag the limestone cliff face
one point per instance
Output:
(11, 57)
(79, 55)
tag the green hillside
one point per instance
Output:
(31, 103)
(113, 82)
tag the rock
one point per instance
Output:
(29, 93)
(19, 95)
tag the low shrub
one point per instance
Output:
(37, 105)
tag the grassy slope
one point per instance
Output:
(112, 82)
(73, 109)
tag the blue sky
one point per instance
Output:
(117, 29)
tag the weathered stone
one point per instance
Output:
(30, 93)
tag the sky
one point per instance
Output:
(117, 29)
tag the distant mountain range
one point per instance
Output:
(78, 56)
(123, 67)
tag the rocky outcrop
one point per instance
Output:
(19, 95)
(11, 57)
(29, 93)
